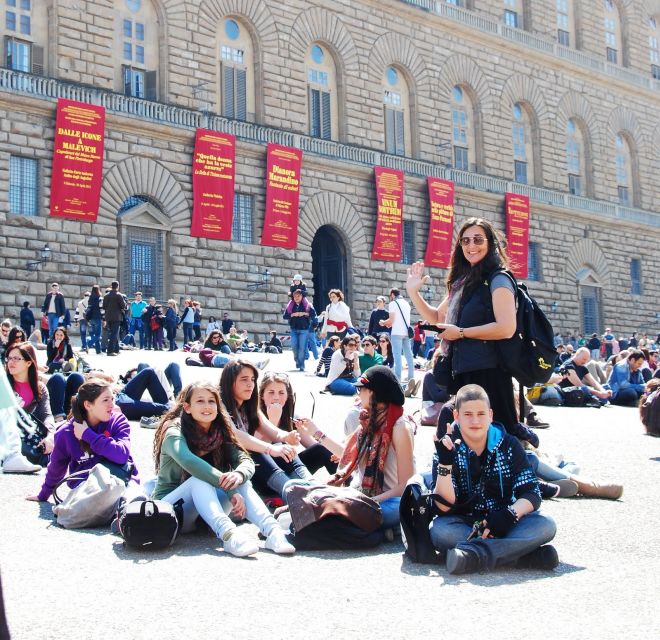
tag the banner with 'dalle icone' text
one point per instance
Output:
(441, 223)
(75, 186)
(517, 232)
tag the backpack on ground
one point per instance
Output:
(416, 513)
(545, 394)
(148, 524)
(573, 396)
(530, 353)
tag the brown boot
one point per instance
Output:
(591, 489)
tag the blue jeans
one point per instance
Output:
(343, 387)
(83, 333)
(137, 325)
(390, 509)
(429, 341)
(533, 530)
(53, 322)
(299, 346)
(187, 332)
(545, 471)
(61, 389)
(129, 398)
(311, 345)
(95, 335)
(172, 372)
(218, 361)
(402, 344)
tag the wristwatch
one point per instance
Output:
(461, 333)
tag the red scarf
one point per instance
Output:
(374, 446)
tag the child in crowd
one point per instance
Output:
(297, 283)
(157, 328)
(199, 461)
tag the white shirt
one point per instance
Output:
(399, 327)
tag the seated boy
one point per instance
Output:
(484, 475)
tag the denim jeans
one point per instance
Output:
(187, 332)
(390, 509)
(544, 470)
(299, 346)
(311, 345)
(533, 530)
(429, 341)
(113, 336)
(172, 372)
(627, 397)
(271, 474)
(343, 386)
(402, 344)
(218, 361)
(137, 325)
(83, 333)
(61, 389)
(129, 398)
(95, 335)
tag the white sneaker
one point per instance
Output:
(18, 463)
(261, 365)
(277, 542)
(240, 545)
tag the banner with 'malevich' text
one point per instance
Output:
(517, 233)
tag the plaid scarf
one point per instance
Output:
(373, 447)
(202, 442)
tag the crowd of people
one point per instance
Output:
(231, 451)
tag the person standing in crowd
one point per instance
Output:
(608, 339)
(114, 307)
(227, 323)
(399, 323)
(26, 319)
(80, 318)
(337, 318)
(301, 315)
(419, 335)
(378, 314)
(213, 325)
(478, 310)
(187, 320)
(54, 308)
(171, 322)
(137, 308)
(197, 322)
(593, 345)
(147, 314)
(94, 316)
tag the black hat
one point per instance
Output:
(382, 381)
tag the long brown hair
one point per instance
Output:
(250, 408)
(220, 456)
(495, 258)
(271, 377)
(29, 355)
(88, 391)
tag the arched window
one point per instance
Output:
(523, 151)
(25, 30)
(623, 159)
(654, 49)
(575, 160)
(139, 35)
(565, 22)
(322, 93)
(462, 130)
(513, 13)
(613, 40)
(236, 55)
(396, 105)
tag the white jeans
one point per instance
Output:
(10, 437)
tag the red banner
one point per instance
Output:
(441, 225)
(517, 233)
(389, 226)
(75, 185)
(213, 185)
(282, 194)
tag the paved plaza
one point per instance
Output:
(86, 584)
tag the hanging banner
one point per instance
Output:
(517, 233)
(441, 225)
(282, 194)
(389, 225)
(75, 185)
(213, 185)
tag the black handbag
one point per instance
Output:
(416, 511)
(32, 432)
(149, 524)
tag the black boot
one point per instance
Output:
(544, 558)
(460, 561)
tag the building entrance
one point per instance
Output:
(328, 266)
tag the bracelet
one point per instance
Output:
(512, 511)
(443, 471)
(318, 435)
(461, 333)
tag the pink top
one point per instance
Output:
(24, 390)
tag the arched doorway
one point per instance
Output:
(589, 288)
(329, 268)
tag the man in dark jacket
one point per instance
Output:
(54, 307)
(114, 307)
(301, 316)
(489, 513)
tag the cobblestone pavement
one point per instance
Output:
(86, 584)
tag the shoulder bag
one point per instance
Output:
(411, 332)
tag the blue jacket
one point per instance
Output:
(504, 477)
(621, 378)
(300, 323)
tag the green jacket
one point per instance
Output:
(175, 457)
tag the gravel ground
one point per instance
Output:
(86, 584)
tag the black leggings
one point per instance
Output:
(318, 456)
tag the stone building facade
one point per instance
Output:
(555, 99)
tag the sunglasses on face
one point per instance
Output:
(477, 240)
(383, 341)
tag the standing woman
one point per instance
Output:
(337, 316)
(171, 321)
(103, 434)
(187, 320)
(273, 450)
(344, 368)
(94, 315)
(58, 350)
(199, 460)
(474, 315)
(378, 314)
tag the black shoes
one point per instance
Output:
(534, 422)
(460, 562)
(544, 558)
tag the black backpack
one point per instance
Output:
(416, 513)
(148, 524)
(529, 355)
(573, 396)
(334, 532)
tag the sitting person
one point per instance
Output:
(649, 406)
(370, 356)
(199, 461)
(626, 380)
(58, 350)
(272, 449)
(344, 368)
(274, 345)
(385, 349)
(323, 366)
(483, 476)
(276, 401)
(234, 339)
(97, 433)
(576, 374)
(216, 342)
(377, 457)
(16, 336)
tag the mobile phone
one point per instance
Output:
(431, 327)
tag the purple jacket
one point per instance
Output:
(108, 440)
